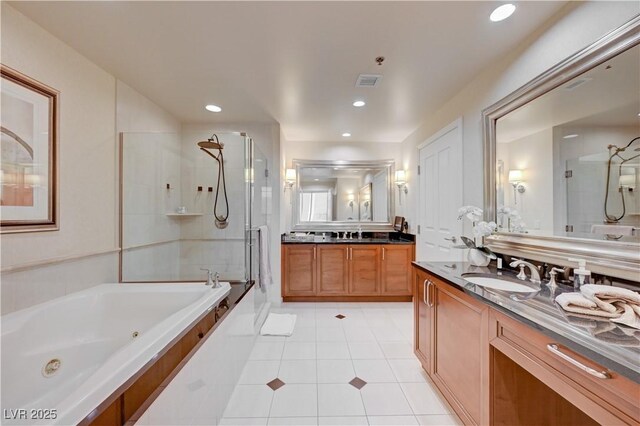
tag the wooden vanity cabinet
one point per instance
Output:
(495, 370)
(299, 269)
(396, 269)
(460, 355)
(364, 270)
(347, 272)
(579, 397)
(423, 320)
(332, 268)
(450, 342)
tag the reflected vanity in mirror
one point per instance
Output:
(341, 195)
(566, 150)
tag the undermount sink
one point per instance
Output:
(497, 282)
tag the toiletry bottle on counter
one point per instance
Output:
(581, 275)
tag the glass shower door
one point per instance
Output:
(258, 213)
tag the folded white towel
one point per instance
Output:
(612, 230)
(605, 296)
(630, 317)
(279, 325)
(577, 303)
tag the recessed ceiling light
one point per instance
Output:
(571, 136)
(316, 180)
(213, 108)
(359, 104)
(346, 135)
(502, 12)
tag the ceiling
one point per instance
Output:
(294, 63)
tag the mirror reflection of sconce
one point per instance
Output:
(351, 198)
(289, 178)
(401, 182)
(516, 179)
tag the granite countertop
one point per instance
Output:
(541, 313)
(355, 240)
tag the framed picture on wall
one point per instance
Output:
(28, 146)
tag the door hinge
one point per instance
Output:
(568, 228)
(418, 229)
(266, 172)
(418, 169)
(568, 173)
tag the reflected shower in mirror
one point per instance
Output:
(567, 162)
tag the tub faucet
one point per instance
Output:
(535, 275)
(213, 280)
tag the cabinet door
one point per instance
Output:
(299, 270)
(460, 350)
(364, 268)
(396, 269)
(333, 269)
(422, 318)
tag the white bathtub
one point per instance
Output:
(92, 334)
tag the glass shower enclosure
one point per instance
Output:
(168, 188)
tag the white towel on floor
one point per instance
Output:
(577, 303)
(612, 230)
(279, 325)
(265, 277)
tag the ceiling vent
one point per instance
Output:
(368, 80)
(577, 83)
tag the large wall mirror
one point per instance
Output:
(341, 195)
(566, 150)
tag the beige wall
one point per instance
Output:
(93, 107)
(86, 144)
(578, 25)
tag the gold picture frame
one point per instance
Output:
(29, 162)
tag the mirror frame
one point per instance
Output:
(335, 226)
(615, 258)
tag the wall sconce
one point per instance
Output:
(516, 179)
(351, 198)
(401, 182)
(289, 178)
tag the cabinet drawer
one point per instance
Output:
(611, 400)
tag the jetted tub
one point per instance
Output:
(61, 359)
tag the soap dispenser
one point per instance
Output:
(581, 275)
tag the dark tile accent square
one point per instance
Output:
(357, 383)
(275, 384)
(340, 316)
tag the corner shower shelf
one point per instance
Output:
(184, 214)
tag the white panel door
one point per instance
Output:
(440, 195)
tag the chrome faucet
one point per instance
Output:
(213, 281)
(535, 275)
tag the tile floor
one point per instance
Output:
(355, 370)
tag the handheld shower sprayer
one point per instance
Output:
(213, 143)
(611, 218)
